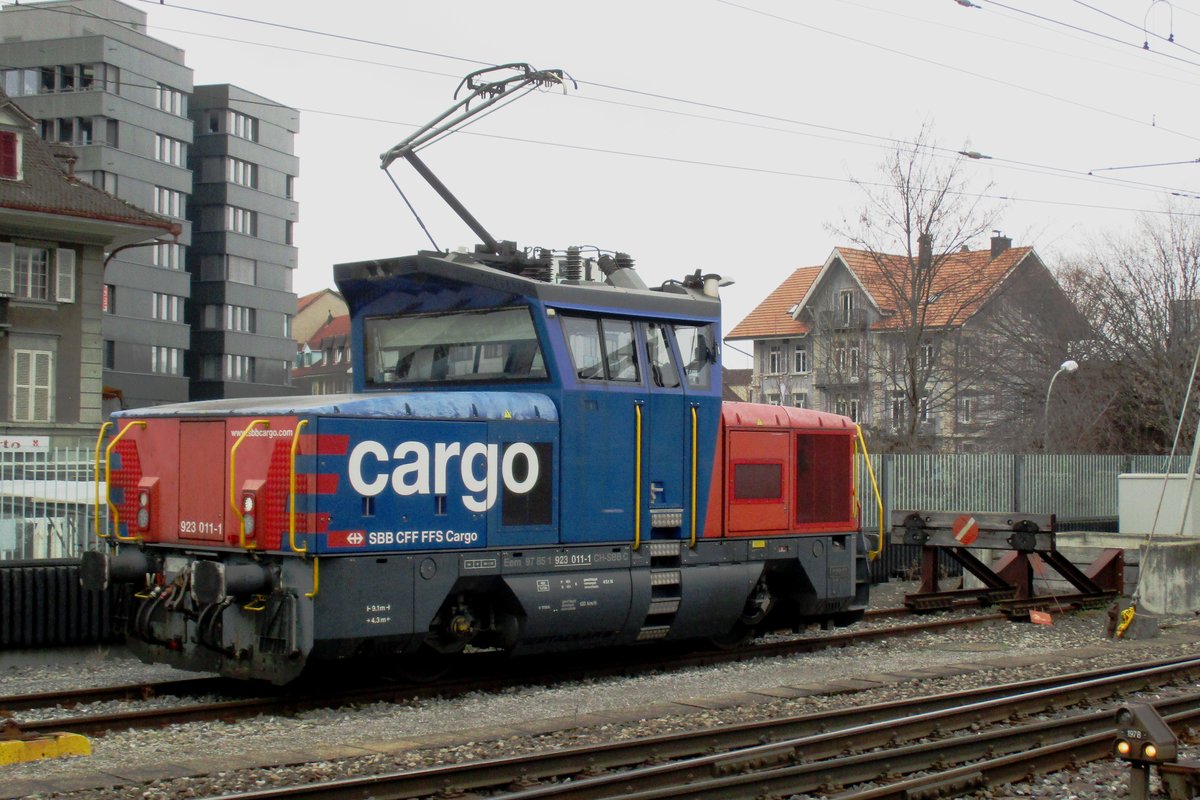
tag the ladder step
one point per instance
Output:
(664, 577)
(663, 548)
(667, 605)
(651, 632)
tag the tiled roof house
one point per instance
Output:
(54, 232)
(828, 336)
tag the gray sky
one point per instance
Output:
(711, 134)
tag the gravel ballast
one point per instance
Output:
(203, 759)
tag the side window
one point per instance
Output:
(620, 350)
(697, 346)
(662, 365)
(602, 349)
(583, 339)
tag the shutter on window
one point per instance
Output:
(8, 253)
(21, 379)
(64, 271)
(42, 380)
(10, 167)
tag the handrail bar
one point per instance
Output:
(637, 478)
(292, 491)
(695, 470)
(96, 472)
(116, 515)
(873, 554)
(233, 481)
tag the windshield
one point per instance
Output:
(490, 345)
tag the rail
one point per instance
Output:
(116, 515)
(637, 477)
(96, 477)
(873, 554)
(292, 490)
(695, 470)
(237, 509)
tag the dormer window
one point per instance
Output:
(10, 156)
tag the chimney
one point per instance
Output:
(1000, 243)
(924, 252)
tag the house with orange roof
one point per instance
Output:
(313, 310)
(323, 362)
(943, 351)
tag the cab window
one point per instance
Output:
(602, 349)
(697, 347)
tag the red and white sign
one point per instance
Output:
(345, 539)
(965, 529)
(1040, 617)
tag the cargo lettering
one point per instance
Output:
(415, 470)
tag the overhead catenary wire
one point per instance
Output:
(1048, 169)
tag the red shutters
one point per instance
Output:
(10, 161)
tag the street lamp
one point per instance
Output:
(1067, 366)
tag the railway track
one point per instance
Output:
(892, 750)
(488, 672)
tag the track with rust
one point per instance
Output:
(879, 751)
(482, 672)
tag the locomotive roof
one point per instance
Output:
(360, 283)
(392, 405)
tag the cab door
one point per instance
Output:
(665, 438)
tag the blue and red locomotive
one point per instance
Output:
(535, 457)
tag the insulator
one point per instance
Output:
(624, 261)
(573, 267)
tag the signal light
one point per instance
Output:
(248, 504)
(143, 511)
(1143, 736)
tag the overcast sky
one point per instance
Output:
(712, 134)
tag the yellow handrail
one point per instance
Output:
(637, 480)
(316, 577)
(873, 554)
(116, 516)
(695, 469)
(237, 509)
(292, 492)
(96, 471)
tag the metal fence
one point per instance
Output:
(47, 498)
(47, 501)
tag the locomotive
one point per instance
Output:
(535, 457)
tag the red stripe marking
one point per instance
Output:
(325, 483)
(330, 444)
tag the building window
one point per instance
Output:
(166, 360)
(923, 409)
(243, 173)
(100, 179)
(168, 255)
(168, 202)
(241, 220)
(926, 356)
(108, 299)
(898, 405)
(20, 82)
(287, 326)
(10, 156)
(801, 359)
(839, 359)
(172, 101)
(240, 270)
(26, 273)
(289, 186)
(854, 361)
(32, 386)
(839, 407)
(110, 354)
(854, 410)
(242, 125)
(289, 232)
(170, 151)
(239, 368)
(167, 307)
(966, 409)
(774, 360)
(846, 300)
(239, 318)
(800, 399)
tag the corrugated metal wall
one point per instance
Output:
(43, 605)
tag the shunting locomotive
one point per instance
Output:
(535, 457)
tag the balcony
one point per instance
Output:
(824, 378)
(837, 319)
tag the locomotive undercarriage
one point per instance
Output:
(252, 616)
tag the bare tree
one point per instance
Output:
(1141, 293)
(913, 222)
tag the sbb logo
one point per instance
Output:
(417, 470)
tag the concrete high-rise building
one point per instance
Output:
(242, 257)
(93, 78)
